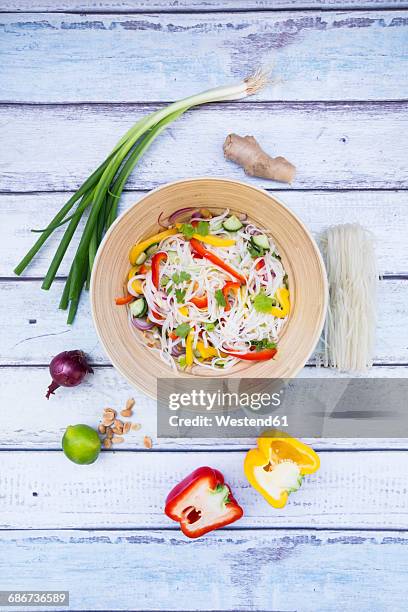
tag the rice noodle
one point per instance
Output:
(351, 263)
(238, 327)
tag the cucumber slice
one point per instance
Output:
(232, 224)
(261, 242)
(138, 308)
(152, 249)
(141, 259)
(172, 256)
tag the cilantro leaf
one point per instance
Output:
(182, 361)
(203, 228)
(263, 303)
(184, 276)
(210, 326)
(187, 230)
(180, 295)
(260, 345)
(219, 297)
(178, 278)
(182, 330)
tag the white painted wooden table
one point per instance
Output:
(75, 74)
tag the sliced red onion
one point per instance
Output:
(252, 231)
(177, 350)
(174, 216)
(162, 223)
(142, 324)
(196, 215)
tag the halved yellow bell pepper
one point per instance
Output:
(189, 349)
(282, 295)
(142, 246)
(277, 467)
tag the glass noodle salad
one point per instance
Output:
(208, 291)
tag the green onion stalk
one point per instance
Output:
(102, 190)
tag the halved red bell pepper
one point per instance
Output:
(156, 260)
(229, 286)
(198, 247)
(202, 502)
(254, 355)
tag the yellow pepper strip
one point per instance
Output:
(142, 246)
(278, 458)
(137, 286)
(282, 295)
(189, 349)
(133, 271)
(183, 310)
(207, 352)
(213, 240)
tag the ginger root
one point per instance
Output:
(246, 152)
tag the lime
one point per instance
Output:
(81, 444)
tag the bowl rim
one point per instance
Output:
(120, 218)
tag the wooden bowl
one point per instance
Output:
(300, 256)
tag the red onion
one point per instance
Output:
(68, 369)
(177, 350)
(161, 223)
(197, 215)
(182, 211)
(174, 216)
(142, 324)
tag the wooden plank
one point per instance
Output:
(257, 569)
(40, 424)
(351, 490)
(384, 213)
(56, 148)
(27, 343)
(316, 55)
(176, 6)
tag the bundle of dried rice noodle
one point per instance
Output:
(351, 263)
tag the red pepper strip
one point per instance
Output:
(254, 355)
(173, 336)
(229, 286)
(157, 316)
(120, 301)
(197, 246)
(202, 502)
(199, 301)
(260, 264)
(156, 260)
